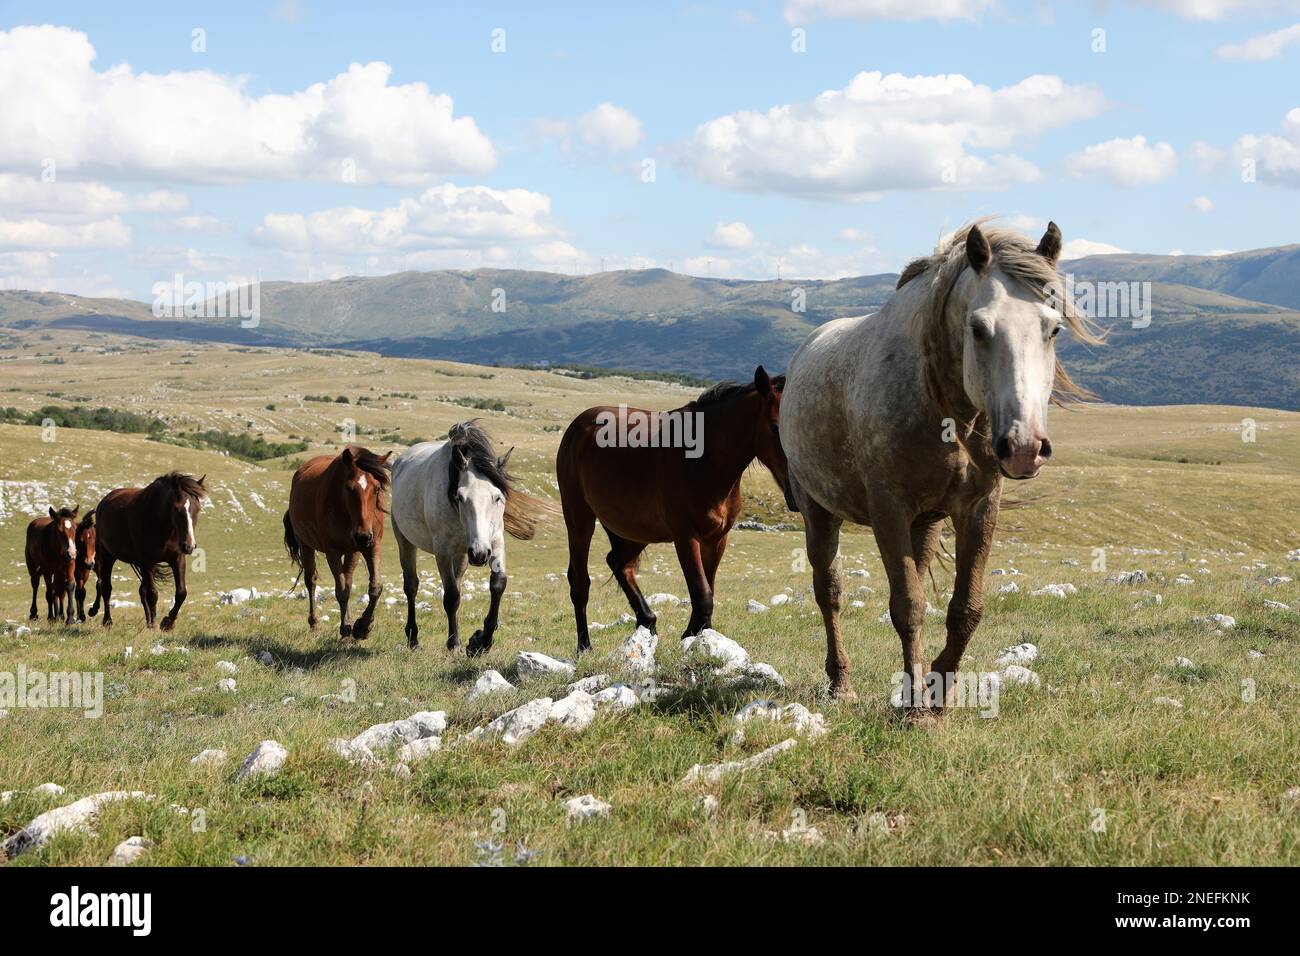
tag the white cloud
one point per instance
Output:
(610, 127)
(1276, 159)
(1125, 162)
(1202, 204)
(803, 11)
(802, 261)
(39, 234)
(886, 132)
(850, 234)
(731, 235)
(1218, 9)
(53, 272)
(30, 194)
(1079, 248)
(201, 126)
(1266, 46)
(201, 223)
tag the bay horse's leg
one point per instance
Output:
(149, 597)
(104, 571)
(36, 587)
(622, 560)
(408, 555)
(480, 641)
(81, 598)
(580, 521)
(49, 596)
(374, 589)
(974, 538)
(450, 570)
(711, 553)
(822, 539)
(94, 608)
(688, 554)
(342, 590)
(308, 557)
(177, 566)
(69, 592)
(892, 526)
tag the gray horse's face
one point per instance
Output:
(1009, 363)
(481, 506)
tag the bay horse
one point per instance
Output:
(614, 465)
(903, 418)
(86, 537)
(336, 506)
(147, 528)
(51, 556)
(456, 500)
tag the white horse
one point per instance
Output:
(455, 500)
(915, 414)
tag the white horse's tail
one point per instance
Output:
(524, 513)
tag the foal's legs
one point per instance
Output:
(822, 537)
(481, 640)
(893, 529)
(450, 570)
(374, 589)
(622, 559)
(974, 537)
(177, 566)
(580, 521)
(104, 571)
(697, 583)
(308, 557)
(36, 587)
(343, 587)
(49, 597)
(149, 596)
(408, 556)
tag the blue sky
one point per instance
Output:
(898, 121)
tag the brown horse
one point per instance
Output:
(665, 476)
(51, 554)
(148, 527)
(85, 564)
(336, 505)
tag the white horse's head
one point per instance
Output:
(479, 503)
(1009, 351)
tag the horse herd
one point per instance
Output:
(897, 420)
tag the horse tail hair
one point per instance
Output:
(291, 542)
(524, 513)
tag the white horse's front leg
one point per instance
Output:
(481, 641)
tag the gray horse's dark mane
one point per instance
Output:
(476, 445)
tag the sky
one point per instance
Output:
(304, 140)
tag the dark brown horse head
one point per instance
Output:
(767, 435)
(85, 541)
(366, 477)
(180, 498)
(63, 533)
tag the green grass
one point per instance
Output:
(1202, 785)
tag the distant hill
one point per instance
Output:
(1223, 328)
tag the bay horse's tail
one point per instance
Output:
(524, 512)
(291, 542)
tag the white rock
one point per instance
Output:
(618, 697)
(755, 607)
(1168, 702)
(129, 851)
(237, 596)
(1021, 676)
(1224, 621)
(516, 726)
(1291, 798)
(707, 804)
(590, 684)
(1055, 590)
(227, 685)
(394, 733)
(804, 722)
(662, 597)
(266, 760)
(210, 757)
(760, 673)
(532, 664)
(49, 789)
(1011, 587)
(354, 753)
(637, 652)
(778, 599)
(489, 682)
(1016, 654)
(226, 667)
(75, 816)
(264, 657)
(418, 750)
(574, 712)
(1276, 605)
(710, 645)
(22, 631)
(1183, 663)
(1277, 579)
(1127, 577)
(714, 772)
(1254, 655)
(585, 807)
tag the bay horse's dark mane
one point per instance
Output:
(68, 512)
(186, 484)
(373, 465)
(475, 444)
(727, 391)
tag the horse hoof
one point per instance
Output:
(844, 692)
(167, 623)
(453, 644)
(345, 630)
(477, 646)
(412, 645)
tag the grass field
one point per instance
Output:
(1085, 770)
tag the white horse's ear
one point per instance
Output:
(501, 462)
(978, 251)
(1049, 247)
(462, 460)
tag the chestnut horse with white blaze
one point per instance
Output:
(901, 419)
(52, 556)
(149, 528)
(336, 506)
(645, 490)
